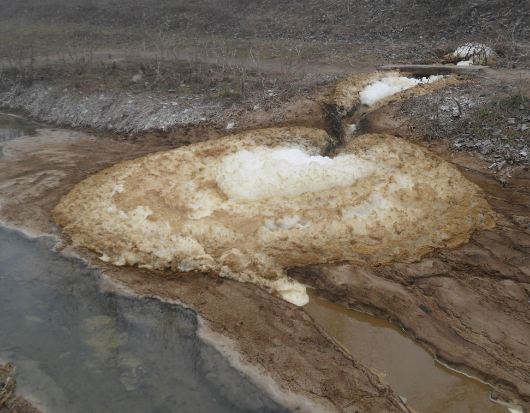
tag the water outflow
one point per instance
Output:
(406, 366)
(80, 348)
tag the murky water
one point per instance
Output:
(12, 127)
(410, 369)
(81, 348)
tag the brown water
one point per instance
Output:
(409, 368)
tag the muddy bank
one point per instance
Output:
(469, 304)
(277, 337)
(123, 112)
(9, 401)
(114, 111)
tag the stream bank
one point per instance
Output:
(55, 162)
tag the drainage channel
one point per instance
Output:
(403, 363)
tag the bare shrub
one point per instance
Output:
(79, 52)
(293, 59)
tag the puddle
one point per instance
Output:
(411, 370)
(80, 348)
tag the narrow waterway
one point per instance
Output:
(405, 364)
(79, 347)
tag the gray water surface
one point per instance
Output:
(80, 348)
(12, 127)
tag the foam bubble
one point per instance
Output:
(266, 173)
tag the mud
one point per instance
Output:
(9, 401)
(469, 305)
(406, 365)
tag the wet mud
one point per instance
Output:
(405, 364)
(469, 305)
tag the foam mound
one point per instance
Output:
(372, 89)
(250, 205)
(391, 85)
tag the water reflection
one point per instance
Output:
(12, 127)
(78, 348)
(408, 367)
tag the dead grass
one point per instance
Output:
(9, 402)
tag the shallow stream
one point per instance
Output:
(406, 365)
(79, 347)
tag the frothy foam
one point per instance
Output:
(266, 173)
(248, 206)
(391, 85)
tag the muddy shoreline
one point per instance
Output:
(9, 401)
(445, 300)
(243, 313)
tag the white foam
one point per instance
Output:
(267, 173)
(250, 211)
(391, 85)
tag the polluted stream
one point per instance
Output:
(79, 346)
(404, 363)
